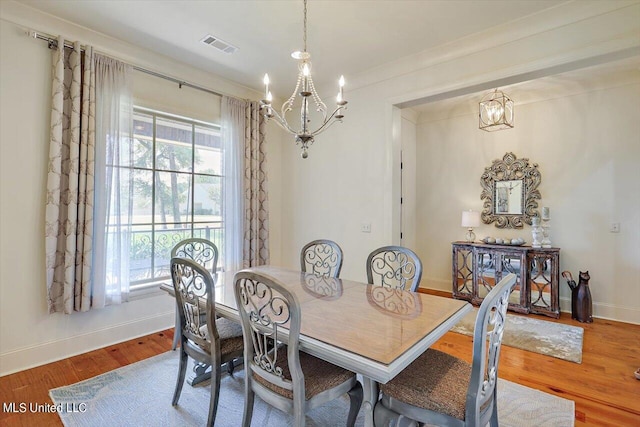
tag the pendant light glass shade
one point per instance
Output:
(496, 111)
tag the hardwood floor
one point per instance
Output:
(603, 386)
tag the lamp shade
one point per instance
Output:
(470, 219)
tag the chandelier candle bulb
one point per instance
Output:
(266, 86)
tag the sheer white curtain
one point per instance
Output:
(114, 181)
(233, 140)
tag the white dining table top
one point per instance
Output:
(371, 330)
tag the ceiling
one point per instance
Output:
(344, 37)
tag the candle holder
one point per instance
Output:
(546, 228)
(536, 232)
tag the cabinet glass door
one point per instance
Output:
(486, 273)
(513, 264)
(464, 272)
(540, 277)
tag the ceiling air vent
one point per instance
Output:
(218, 44)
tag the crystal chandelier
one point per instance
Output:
(305, 89)
(496, 111)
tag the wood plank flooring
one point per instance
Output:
(603, 386)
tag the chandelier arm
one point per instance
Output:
(280, 121)
(329, 121)
(325, 126)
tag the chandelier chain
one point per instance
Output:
(304, 37)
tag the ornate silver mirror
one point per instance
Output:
(510, 191)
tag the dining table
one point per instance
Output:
(374, 331)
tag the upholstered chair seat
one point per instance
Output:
(318, 375)
(230, 333)
(436, 381)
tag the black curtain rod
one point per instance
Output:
(53, 44)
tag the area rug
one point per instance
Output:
(535, 335)
(140, 395)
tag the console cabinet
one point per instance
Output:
(478, 267)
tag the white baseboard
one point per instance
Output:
(40, 354)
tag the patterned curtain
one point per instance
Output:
(70, 183)
(256, 208)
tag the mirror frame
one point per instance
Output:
(510, 168)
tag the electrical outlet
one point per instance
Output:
(615, 227)
(365, 227)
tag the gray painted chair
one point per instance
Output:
(276, 370)
(443, 390)
(322, 258)
(202, 251)
(204, 338)
(394, 267)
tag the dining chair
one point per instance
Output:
(202, 251)
(276, 371)
(394, 267)
(441, 389)
(204, 338)
(322, 258)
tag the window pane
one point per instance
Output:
(173, 197)
(207, 196)
(141, 253)
(142, 140)
(165, 240)
(174, 146)
(142, 196)
(208, 158)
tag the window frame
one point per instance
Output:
(150, 286)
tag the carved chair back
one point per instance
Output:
(322, 258)
(266, 307)
(202, 251)
(193, 283)
(394, 267)
(487, 340)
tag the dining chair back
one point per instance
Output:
(442, 390)
(204, 338)
(322, 258)
(276, 370)
(202, 251)
(394, 267)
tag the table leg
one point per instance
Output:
(370, 389)
(201, 372)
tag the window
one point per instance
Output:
(177, 191)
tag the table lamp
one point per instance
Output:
(470, 219)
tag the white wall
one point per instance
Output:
(587, 147)
(29, 336)
(351, 174)
(409, 183)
